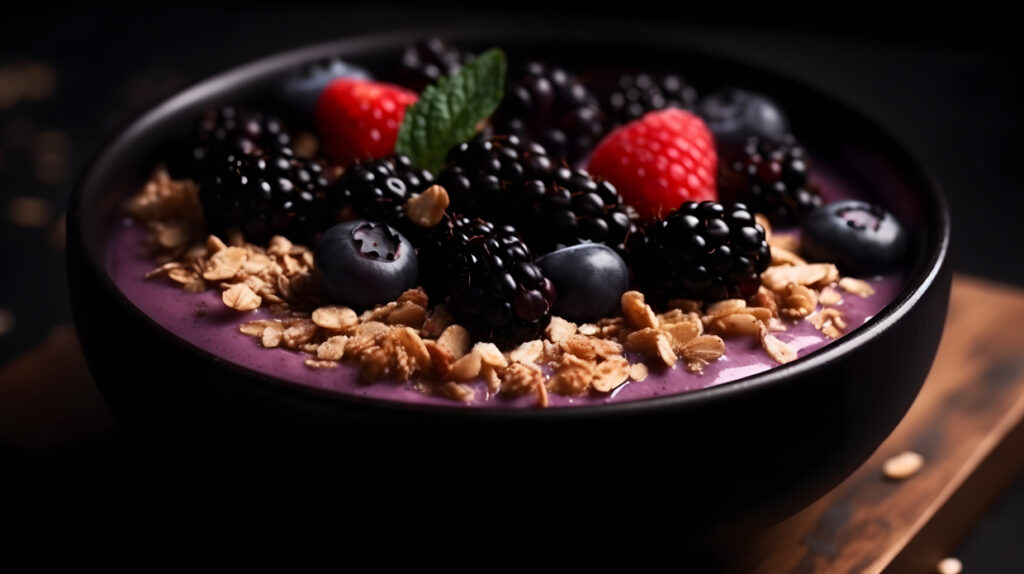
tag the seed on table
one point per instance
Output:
(903, 465)
(949, 566)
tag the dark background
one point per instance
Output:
(947, 84)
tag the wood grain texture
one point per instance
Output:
(968, 423)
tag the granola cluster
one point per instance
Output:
(410, 339)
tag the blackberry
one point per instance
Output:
(376, 190)
(266, 195)
(551, 205)
(770, 176)
(229, 132)
(487, 276)
(635, 94)
(429, 59)
(551, 106)
(706, 251)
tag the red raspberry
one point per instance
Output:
(359, 119)
(659, 161)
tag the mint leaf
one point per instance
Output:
(448, 112)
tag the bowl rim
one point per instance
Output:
(924, 276)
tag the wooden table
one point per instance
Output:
(968, 423)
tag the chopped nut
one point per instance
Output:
(279, 246)
(652, 343)
(521, 378)
(465, 368)
(702, 350)
(725, 307)
(491, 377)
(829, 321)
(241, 298)
(333, 348)
(415, 347)
(572, 375)
(830, 296)
(456, 340)
(765, 299)
(527, 352)
(778, 277)
(490, 355)
(272, 335)
(761, 313)
(796, 301)
(580, 346)
(605, 348)
(637, 312)
(378, 313)
(856, 286)
(321, 364)
(610, 374)
(441, 358)
(256, 328)
(638, 371)
(588, 329)
(214, 244)
(427, 209)
(417, 296)
(455, 391)
(225, 264)
(559, 330)
(407, 313)
(371, 328)
(682, 333)
(735, 325)
(335, 317)
(903, 465)
(776, 349)
(299, 332)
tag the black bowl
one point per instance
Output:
(707, 465)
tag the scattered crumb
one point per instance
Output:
(903, 465)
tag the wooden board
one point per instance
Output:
(968, 423)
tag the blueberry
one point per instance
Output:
(363, 264)
(589, 278)
(861, 238)
(300, 90)
(733, 115)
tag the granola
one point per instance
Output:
(414, 339)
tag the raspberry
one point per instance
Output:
(659, 161)
(359, 119)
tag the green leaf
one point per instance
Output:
(448, 112)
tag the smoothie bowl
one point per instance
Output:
(520, 277)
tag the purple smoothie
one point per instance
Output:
(203, 321)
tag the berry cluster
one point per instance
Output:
(571, 191)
